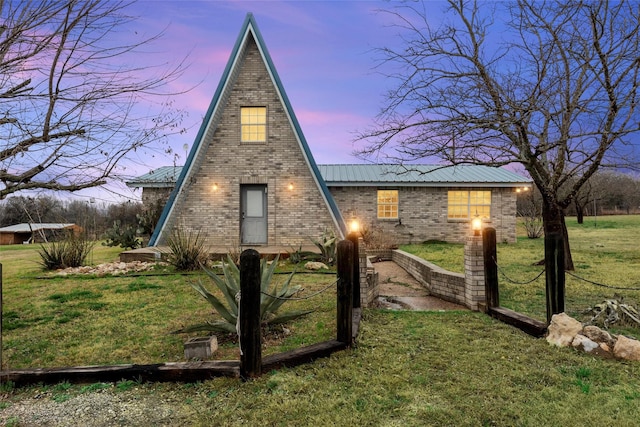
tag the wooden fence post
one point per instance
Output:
(490, 255)
(345, 291)
(250, 334)
(353, 238)
(554, 274)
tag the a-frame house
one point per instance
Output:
(250, 178)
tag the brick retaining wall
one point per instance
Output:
(467, 290)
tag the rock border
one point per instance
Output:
(565, 331)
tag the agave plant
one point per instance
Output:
(271, 299)
(327, 244)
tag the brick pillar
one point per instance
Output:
(473, 272)
(369, 290)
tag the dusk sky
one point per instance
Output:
(323, 51)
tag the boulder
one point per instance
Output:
(314, 265)
(596, 334)
(562, 330)
(583, 343)
(627, 348)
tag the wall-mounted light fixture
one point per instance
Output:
(290, 186)
(214, 187)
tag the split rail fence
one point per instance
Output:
(251, 363)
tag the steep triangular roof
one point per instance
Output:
(212, 118)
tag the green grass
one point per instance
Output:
(605, 251)
(407, 369)
(88, 320)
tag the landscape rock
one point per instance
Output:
(583, 343)
(112, 268)
(627, 348)
(562, 330)
(314, 265)
(596, 334)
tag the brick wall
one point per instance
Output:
(465, 289)
(293, 215)
(423, 213)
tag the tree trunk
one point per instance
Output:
(556, 242)
(579, 212)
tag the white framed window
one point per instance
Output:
(253, 124)
(388, 204)
(463, 204)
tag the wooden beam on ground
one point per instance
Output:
(160, 372)
(302, 355)
(526, 324)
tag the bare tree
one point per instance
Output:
(551, 85)
(75, 97)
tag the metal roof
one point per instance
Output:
(163, 177)
(346, 175)
(420, 175)
(28, 228)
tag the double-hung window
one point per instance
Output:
(253, 124)
(388, 204)
(464, 204)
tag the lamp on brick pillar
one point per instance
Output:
(474, 266)
(476, 225)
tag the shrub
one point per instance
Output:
(376, 238)
(271, 299)
(188, 250)
(69, 252)
(125, 237)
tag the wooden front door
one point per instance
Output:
(253, 220)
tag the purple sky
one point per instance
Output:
(322, 50)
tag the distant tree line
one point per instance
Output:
(95, 218)
(605, 193)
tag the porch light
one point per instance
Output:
(214, 187)
(290, 186)
(476, 225)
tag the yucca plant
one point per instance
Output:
(188, 249)
(271, 299)
(69, 252)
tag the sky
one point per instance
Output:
(323, 51)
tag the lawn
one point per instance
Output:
(605, 252)
(408, 368)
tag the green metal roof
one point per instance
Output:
(163, 177)
(420, 175)
(346, 175)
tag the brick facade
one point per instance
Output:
(293, 215)
(422, 213)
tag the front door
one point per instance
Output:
(253, 219)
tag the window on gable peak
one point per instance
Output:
(253, 124)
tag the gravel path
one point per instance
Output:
(97, 409)
(399, 290)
